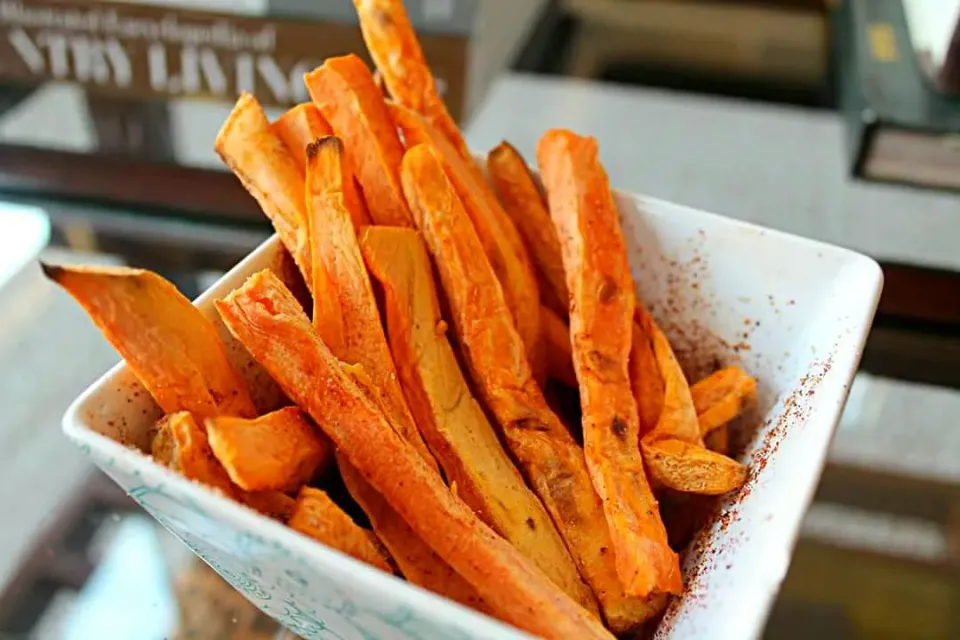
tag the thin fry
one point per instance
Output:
(685, 467)
(645, 379)
(280, 451)
(399, 58)
(721, 396)
(500, 240)
(525, 205)
(299, 127)
(450, 418)
(268, 321)
(550, 459)
(172, 349)
(319, 517)
(344, 91)
(336, 244)
(265, 167)
(601, 318)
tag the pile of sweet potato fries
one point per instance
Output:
(472, 485)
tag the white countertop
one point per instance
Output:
(776, 166)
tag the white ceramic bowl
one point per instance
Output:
(793, 312)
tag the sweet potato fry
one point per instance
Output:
(548, 456)
(558, 352)
(172, 349)
(280, 451)
(601, 317)
(299, 127)
(500, 240)
(451, 419)
(181, 444)
(525, 205)
(677, 416)
(721, 396)
(265, 167)
(397, 53)
(334, 240)
(344, 91)
(682, 466)
(364, 342)
(719, 440)
(266, 318)
(319, 517)
(645, 379)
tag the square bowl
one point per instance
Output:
(793, 312)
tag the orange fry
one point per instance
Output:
(299, 127)
(172, 349)
(265, 167)
(500, 240)
(601, 318)
(451, 419)
(719, 440)
(266, 318)
(557, 349)
(682, 466)
(546, 452)
(319, 517)
(677, 416)
(397, 53)
(181, 444)
(721, 396)
(645, 379)
(280, 451)
(364, 342)
(344, 91)
(524, 203)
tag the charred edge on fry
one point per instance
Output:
(314, 147)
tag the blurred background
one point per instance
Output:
(837, 120)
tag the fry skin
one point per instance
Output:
(721, 396)
(685, 467)
(500, 240)
(171, 348)
(300, 126)
(364, 342)
(344, 91)
(546, 452)
(319, 517)
(280, 451)
(399, 58)
(267, 170)
(601, 318)
(525, 205)
(451, 419)
(267, 320)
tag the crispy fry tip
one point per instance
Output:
(51, 271)
(315, 147)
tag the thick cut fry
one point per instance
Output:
(268, 321)
(399, 58)
(525, 205)
(452, 421)
(181, 444)
(298, 128)
(721, 396)
(364, 342)
(682, 466)
(557, 350)
(601, 318)
(719, 440)
(551, 460)
(172, 349)
(334, 241)
(344, 91)
(500, 240)
(280, 451)
(265, 167)
(319, 517)
(677, 417)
